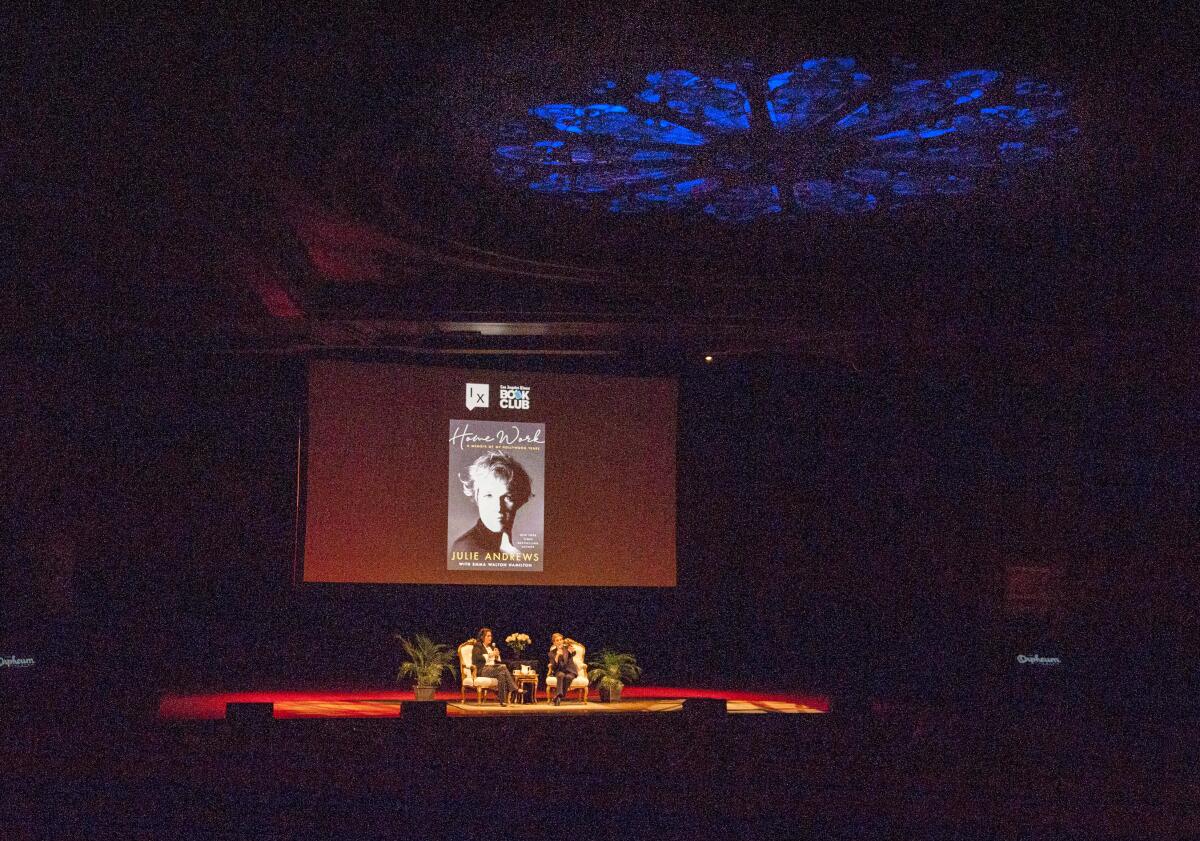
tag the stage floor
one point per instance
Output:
(382, 703)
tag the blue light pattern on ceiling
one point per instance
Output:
(822, 137)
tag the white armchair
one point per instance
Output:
(466, 669)
(581, 680)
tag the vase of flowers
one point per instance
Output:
(518, 643)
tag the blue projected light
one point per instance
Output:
(824, 136)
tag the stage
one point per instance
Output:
(388, 703)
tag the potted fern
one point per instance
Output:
(612, 670)
(427, 661)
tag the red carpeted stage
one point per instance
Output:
(386, 703)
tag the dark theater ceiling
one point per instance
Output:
(722, 181)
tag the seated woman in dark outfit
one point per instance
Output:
(562, 666)
(482, 651)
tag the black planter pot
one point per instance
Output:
(610, 695)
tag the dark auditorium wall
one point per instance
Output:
(840, 522)
(134, 484)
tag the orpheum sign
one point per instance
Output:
(1038, 660)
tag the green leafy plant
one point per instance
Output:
(612, 670)
(427, 660)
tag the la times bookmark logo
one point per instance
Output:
(477, 395)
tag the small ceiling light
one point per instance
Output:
(708, 358)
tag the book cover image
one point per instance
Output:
(496, 502)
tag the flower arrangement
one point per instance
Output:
(518, 642)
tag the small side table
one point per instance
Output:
(524, 679)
